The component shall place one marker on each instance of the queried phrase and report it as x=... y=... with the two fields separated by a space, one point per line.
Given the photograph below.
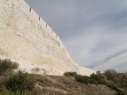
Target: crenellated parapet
x=38 y=20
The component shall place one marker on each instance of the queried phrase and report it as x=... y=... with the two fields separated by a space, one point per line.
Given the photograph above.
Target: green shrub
x=20 y=82
x=110 y=74
x=82 y=79
x=70 y=74
x=7 y=66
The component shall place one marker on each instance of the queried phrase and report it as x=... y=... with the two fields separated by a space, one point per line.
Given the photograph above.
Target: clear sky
x=94 y=31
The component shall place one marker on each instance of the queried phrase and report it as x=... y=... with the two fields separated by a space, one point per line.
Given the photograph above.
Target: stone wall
x=39 y=21
x=27 y=39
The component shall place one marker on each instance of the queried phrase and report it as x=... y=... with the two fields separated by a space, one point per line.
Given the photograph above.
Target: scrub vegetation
x=14 y=82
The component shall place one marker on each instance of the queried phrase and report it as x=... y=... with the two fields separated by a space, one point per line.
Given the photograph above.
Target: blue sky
x=94 y=31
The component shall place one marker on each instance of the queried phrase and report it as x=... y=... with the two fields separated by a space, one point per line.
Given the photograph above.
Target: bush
x=82 y=79
x=6 y=66
x=70 y=74
x=20 y=82
x=110 y=74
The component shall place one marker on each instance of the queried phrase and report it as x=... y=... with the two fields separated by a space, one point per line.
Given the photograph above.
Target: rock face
x=28 y=40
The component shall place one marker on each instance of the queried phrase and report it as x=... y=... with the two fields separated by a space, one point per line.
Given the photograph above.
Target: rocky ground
x=61 y=85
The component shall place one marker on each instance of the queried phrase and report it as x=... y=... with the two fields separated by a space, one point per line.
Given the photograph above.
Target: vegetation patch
x=110 y=78
x=16 y=82
x=20 y=82
x=6 y=66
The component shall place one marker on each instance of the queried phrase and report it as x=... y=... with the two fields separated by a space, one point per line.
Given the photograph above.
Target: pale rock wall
x=28 y=39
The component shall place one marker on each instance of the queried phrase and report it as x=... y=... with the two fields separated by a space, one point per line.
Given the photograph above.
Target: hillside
x=21 y=83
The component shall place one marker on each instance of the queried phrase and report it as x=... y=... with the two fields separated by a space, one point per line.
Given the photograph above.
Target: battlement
x=38 y=20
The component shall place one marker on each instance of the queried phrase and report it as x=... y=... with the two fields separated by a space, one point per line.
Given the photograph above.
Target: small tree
x=110 y=74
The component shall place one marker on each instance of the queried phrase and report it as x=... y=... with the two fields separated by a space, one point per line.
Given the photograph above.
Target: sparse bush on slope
x=110 y=78
x=20 y=82
x=11 y=83
x=82 y=79
x=70 y=74
x=7 y=67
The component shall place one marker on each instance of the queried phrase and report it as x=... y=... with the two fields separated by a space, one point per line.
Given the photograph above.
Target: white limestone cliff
x=28 y=40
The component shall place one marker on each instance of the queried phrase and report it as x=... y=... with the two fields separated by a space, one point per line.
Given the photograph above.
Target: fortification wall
x=28 y=40
x=39 y=21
